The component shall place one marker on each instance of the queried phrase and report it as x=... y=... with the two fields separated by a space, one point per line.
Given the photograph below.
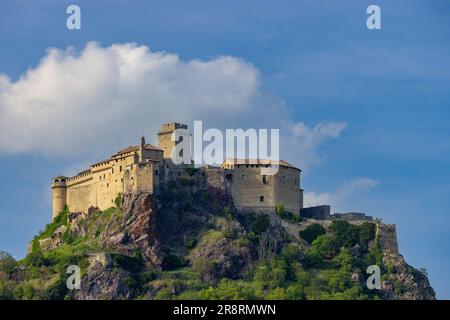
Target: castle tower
x=141 y=149
x=165 y=137
x=59 y=190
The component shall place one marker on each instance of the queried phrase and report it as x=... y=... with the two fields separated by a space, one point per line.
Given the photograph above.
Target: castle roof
x=148 y=146
x=235 y=161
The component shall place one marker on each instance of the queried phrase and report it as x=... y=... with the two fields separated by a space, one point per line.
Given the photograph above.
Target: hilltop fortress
x=145 y=168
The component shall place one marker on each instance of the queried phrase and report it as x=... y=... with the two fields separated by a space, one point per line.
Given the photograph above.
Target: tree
x=346 y=233
x=325 y=247
x=345 y=260
x=7 y=262
x=312 y=232
x=262 y=223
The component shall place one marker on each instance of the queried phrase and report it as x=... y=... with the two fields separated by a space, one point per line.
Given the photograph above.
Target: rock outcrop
x=159 y=246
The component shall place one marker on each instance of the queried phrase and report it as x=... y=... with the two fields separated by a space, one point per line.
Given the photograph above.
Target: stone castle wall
x=256 y=188
x=287 y=189
x=387 y=237
x=138 y=169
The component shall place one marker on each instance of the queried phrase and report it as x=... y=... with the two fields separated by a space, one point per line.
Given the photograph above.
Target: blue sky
x=391 y=88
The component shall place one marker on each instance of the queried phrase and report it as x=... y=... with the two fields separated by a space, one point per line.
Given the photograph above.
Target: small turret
x=59 y=189
x=141 y=149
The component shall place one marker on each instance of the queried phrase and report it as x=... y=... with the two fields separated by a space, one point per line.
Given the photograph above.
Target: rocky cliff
x=192 y=244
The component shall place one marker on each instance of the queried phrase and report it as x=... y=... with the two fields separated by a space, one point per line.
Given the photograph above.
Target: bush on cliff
x=312 y=232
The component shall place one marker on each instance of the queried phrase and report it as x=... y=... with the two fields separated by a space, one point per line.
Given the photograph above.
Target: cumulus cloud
x=303 y=139
x=101 y=98
x=71 y=100
x=344 y=197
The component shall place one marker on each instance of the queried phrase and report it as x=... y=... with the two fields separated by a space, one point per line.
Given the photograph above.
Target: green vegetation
x=118 y=200
x=7 y=262
x=312 y=232
x=60 y=220
x=323 y=272
x=286 y=215
x=195 y=269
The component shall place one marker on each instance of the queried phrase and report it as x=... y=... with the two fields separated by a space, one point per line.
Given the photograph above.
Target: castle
x=145 y=168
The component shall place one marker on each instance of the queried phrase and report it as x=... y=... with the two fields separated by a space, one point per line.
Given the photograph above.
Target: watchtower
x=165 y=137
x=59 y=190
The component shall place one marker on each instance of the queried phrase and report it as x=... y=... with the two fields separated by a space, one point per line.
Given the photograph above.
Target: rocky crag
x=186 y=243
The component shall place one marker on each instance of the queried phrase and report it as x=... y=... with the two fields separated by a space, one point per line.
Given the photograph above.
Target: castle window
x=112 y=170
x=283 y=179
x=229 y=177
x=120 y=168
x=243 y=177
x=156 y=172
x=104 y=176
x=107 y=185
x=264 y=179
x=261 y=199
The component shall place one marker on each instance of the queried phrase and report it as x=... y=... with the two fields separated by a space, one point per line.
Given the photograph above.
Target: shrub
x=130 y=263
x=7 y=262
x=206 y=269
x=375 y=255
x=346 y=233
x=28 y=292
x=57 y=291
x=5 y=291
x=312 y=232
x=172 y=261
x=279 y=209
x=272 y=274
x=18 y=292
x=291 y=253
x=118 y=200
x=345 y=260
x=287 y=215
x=261 y=223
x=366 y=234
x=326 y=247
x=398 y=287
x=60 y=220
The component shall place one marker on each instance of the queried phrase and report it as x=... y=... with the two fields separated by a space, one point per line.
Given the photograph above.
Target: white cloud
x=322 y=131
x=304 y=140
x=345 y=197
x=71 y=102
x=91 y=102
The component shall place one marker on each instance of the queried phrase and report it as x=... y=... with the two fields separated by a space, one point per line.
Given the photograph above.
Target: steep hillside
x=189 y=244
